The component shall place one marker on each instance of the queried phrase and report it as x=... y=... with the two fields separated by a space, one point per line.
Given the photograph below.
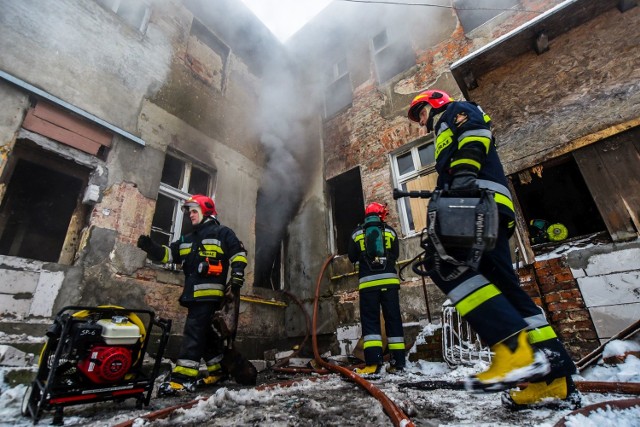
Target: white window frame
x=179 y=195
x=418 y=171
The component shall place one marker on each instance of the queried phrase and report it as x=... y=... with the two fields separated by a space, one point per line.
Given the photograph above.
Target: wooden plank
x=419 y=206
x=72 y=123
x=610 y=170
x=43 y=127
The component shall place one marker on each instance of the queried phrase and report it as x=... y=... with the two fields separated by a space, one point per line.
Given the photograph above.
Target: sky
x=285 y=17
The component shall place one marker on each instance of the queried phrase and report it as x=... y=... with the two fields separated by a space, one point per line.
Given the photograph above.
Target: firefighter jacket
x=373 y=276
x=207 y=254
x=463 y=141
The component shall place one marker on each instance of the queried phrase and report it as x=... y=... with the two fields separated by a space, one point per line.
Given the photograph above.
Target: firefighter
x=208 y=254
x=374 y=247
x=525 y=346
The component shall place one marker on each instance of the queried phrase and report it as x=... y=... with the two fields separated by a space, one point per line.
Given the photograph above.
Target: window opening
x=472 y=16
x=391 y=55
x=135 y=13
x=44 y=194
x=555 y=194
x=414 y=170
x=338 y=93
x=347 y=206
x=180 y=179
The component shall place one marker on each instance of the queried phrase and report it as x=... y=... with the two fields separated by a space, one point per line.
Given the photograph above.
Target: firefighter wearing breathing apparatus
x=374 y=246
x=485 y=289
x=207 y=255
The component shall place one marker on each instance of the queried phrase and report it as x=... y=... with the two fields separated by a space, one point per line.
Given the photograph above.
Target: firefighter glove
x=154 y=250
x=236 y=281
x=464 y=180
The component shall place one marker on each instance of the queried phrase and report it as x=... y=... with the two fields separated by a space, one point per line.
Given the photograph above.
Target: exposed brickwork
x=552 y=286
x=431 y=350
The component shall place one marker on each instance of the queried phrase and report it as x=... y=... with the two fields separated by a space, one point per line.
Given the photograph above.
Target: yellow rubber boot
x=552 y=394
x=368 y=370
x=514 y=361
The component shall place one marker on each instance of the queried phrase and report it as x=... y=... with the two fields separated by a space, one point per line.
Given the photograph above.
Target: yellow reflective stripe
x=185 y=251
x=484 y=140
x=541 y=334
x=208 y=293
x=239 y=258
x=475 y=299
x=396 y=346
x=444 y=139
x=504 y=200
x=486 y=117
x=189 y=372
x=214 y=368
x=466 y=162
x=380 y=282
x=167 y=255
x=369 y=344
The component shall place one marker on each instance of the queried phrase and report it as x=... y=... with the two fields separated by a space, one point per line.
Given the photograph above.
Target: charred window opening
x=391 y=55
x=207 y=56
x=556 y=202
x=348 y=206
x=42 y=212
x=338 y=93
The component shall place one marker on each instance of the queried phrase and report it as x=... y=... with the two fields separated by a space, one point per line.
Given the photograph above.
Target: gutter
x=61 y=103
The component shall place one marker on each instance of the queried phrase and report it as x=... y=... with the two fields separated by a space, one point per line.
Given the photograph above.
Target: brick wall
x=553 y=287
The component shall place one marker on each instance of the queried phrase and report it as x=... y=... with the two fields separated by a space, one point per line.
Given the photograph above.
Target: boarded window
x=414 y=170
x=41 y=213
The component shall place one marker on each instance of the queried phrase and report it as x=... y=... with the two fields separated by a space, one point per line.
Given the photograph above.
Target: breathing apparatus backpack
x=460 y=228
x=374 y=243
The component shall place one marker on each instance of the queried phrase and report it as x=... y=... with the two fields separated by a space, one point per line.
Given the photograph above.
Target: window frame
x=418 y=171
x=114 y=6
x=179 y=195
x=333 y=77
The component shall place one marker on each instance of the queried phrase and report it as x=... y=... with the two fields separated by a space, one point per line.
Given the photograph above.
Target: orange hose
x=398 y=417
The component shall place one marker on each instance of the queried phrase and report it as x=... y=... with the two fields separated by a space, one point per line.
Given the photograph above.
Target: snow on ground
x=332 y=400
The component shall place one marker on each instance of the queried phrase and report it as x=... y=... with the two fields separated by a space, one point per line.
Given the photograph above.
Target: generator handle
x=423 y=194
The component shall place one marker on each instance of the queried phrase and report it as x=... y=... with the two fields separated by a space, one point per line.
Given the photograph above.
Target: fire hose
x=398 y=417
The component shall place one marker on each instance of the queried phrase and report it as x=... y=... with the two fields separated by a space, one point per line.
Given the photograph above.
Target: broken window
x=338 y=93
x=556 y=202
x=347 y=205
x=391 y=55
x=207 y=56
x=180 y=179
x=472 y=15
x=135 y=13
x=41 y=214
x=414 y=170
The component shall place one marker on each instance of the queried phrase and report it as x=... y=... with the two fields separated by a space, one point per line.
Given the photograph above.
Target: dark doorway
x=348 y=206
x=37 y=209
x=555 y=192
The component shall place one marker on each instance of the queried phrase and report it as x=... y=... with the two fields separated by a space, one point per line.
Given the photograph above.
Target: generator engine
x=102 y=350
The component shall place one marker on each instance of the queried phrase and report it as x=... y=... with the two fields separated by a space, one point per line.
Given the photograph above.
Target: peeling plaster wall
x=150 y=85
x=609 y=279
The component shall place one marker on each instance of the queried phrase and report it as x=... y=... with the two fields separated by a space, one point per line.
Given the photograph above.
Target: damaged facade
x=120 y=112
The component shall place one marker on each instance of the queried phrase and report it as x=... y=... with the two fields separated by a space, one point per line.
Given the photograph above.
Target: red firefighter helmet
x=378 y=209
x=205 y=203
x=435 y=98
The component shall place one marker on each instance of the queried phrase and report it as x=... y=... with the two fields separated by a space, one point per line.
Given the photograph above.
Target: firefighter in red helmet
x=489 y=297
x=209 y=255
x=374 y=247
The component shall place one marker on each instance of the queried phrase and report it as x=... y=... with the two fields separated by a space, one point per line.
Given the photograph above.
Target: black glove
x=464 y=180
x=236 y=281
x=154 y=250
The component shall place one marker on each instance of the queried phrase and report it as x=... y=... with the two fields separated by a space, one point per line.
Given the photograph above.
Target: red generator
x=95 y=354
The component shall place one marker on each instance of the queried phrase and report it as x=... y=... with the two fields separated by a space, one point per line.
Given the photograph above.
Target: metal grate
x=461 y=345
